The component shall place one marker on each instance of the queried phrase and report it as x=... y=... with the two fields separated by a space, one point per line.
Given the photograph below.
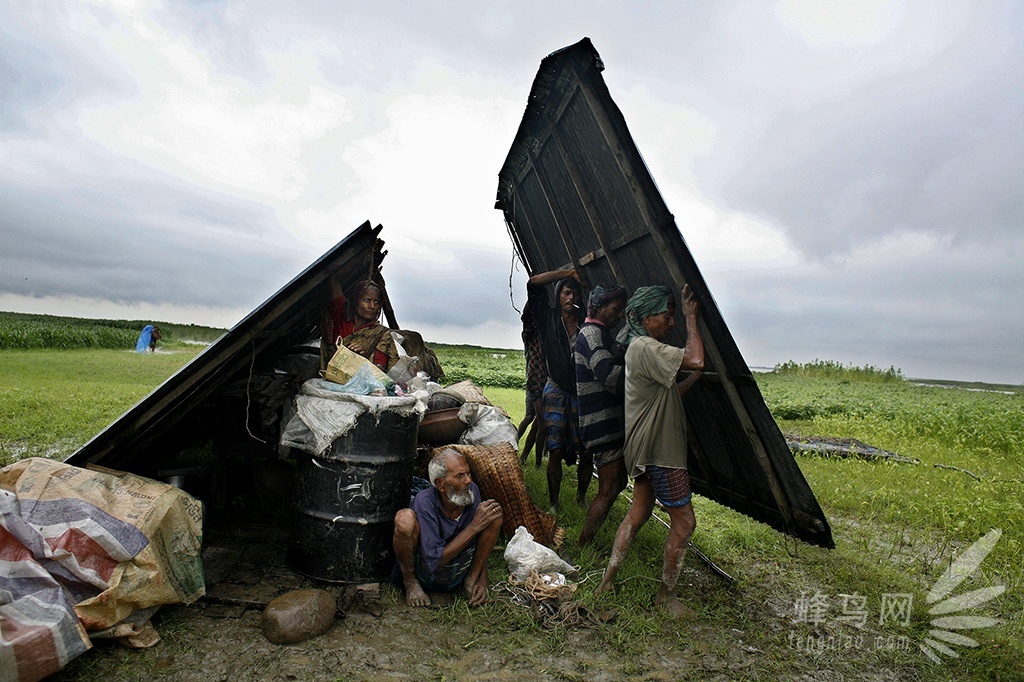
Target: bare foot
x=586 y=535
x=581 y=503
x=676 y=608
x=415 y=596
x=605 y=586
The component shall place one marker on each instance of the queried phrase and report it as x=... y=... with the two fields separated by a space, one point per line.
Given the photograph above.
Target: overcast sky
x=848 y=175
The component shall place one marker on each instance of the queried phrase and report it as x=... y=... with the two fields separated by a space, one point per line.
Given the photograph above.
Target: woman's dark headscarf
x=645 y=302
x=356 y=293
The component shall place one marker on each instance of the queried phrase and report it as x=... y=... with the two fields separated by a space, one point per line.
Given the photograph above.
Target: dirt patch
x=400 y=643
x=377 y=637
x=740 y=634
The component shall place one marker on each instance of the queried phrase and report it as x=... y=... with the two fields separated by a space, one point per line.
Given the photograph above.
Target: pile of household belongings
x=88 y=554
x=326 y=408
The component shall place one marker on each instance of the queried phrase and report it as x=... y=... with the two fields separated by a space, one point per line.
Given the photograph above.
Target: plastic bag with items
x=363 y=382
x=487 y=426
x=345 y=365
x=524 y=555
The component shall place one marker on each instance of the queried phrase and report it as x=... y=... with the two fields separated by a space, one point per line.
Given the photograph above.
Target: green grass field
x=897 y=526
x=53 y=401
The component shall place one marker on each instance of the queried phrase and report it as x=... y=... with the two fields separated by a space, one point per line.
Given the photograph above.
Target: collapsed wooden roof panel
x=289 y=318
x=575 y=192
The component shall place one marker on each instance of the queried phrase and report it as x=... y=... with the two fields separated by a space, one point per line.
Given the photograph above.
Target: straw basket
x=495 y=469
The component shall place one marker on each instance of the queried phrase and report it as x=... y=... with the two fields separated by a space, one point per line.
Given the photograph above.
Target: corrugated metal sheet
x=177 y=412
x=576 y=193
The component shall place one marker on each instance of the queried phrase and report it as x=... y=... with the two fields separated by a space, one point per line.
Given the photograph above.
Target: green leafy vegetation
x=498 y=367
x=901 y=414
x=829 y=369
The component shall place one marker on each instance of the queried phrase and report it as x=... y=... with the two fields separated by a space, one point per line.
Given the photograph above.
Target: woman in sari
x=354 y=323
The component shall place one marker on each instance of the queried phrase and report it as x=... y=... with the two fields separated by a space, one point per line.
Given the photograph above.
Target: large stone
x=298 y=615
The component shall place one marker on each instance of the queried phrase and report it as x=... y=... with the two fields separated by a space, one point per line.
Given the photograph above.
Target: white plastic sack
x=324 y=413
x=422 y=382
x=525 y=555
x=487 y=426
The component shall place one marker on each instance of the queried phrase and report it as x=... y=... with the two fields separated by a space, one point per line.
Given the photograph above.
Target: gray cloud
x=152 y=240
x=936 y=316
x=48 y=70
x=937 y=148
x=841 y=148
x=24 y=84
x=470 y=290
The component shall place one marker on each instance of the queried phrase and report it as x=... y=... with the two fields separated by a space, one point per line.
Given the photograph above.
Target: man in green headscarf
x=655 y=451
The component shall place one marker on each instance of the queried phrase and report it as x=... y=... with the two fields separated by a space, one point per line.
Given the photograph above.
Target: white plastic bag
x=487 y=426
x=422 y=382
x=524 y=555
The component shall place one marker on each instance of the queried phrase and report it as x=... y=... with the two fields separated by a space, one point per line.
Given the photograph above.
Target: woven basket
x=495 y=469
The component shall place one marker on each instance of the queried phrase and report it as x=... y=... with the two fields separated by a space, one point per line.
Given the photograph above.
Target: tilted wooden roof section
x=289 y=318
x=575 y=192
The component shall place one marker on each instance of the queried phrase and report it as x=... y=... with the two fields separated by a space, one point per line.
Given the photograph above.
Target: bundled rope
x=550 y=600
x=541 y=586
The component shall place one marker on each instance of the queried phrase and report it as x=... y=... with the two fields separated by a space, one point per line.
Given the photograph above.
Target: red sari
x=374 y=336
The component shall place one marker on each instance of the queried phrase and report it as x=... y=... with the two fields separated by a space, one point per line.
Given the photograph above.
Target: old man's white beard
x=462 y=499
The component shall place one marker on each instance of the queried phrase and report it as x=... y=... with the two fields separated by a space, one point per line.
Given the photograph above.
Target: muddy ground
x=377 y=637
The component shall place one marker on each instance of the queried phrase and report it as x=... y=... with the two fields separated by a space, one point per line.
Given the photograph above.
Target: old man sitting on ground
x=443 y=540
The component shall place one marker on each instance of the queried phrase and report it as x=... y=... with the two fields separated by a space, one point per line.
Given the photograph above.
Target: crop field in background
x=897 y=526
x=500 y=368
x=22 y=331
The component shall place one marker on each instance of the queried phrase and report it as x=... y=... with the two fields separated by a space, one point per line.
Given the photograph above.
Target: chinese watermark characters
x=854 y=610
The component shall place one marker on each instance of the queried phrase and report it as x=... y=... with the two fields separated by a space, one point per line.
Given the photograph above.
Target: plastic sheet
x=324 y=413
x=487 y=426
x=142 y=345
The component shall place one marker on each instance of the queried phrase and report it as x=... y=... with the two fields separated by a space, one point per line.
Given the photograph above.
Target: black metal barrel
x=345 y=500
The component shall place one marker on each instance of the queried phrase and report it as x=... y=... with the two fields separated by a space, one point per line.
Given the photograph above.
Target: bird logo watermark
x=945 y=632
x=951 y=614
